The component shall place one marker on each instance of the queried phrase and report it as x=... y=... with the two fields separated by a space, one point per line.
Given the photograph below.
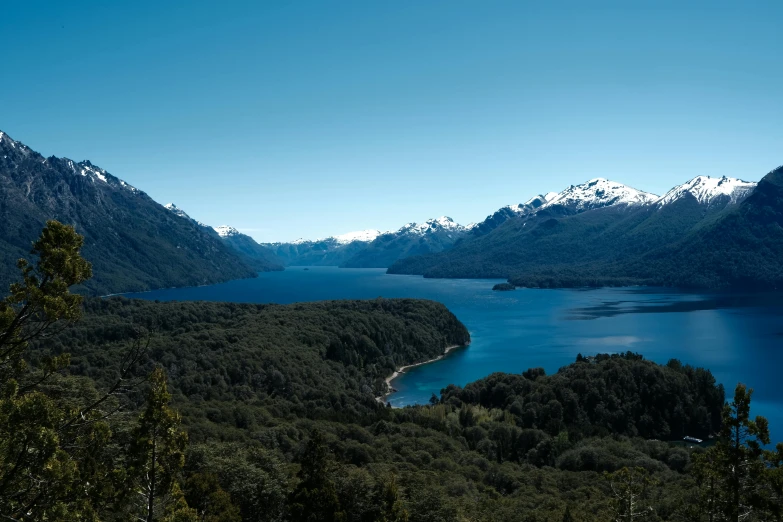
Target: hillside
x=133 y=242
x=255 y=255
x=688 y=237
x=434 y=235
x=257 y=384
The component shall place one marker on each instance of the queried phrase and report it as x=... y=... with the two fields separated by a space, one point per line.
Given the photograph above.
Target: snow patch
x=706 y=189
x=226 y=231
x=365 y=236
x=599 y=192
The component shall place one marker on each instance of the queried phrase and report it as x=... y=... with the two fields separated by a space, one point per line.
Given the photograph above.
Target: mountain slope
x=625 y=243
x=133 y=242
x=255 y=255
x=330 y=251
x=742 y=250
x=434 y=235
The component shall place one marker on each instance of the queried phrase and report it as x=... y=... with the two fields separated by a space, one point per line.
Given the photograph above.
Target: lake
x=737 y=336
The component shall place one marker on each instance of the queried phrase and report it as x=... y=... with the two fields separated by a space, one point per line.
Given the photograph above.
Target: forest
x=116 y=409
x=682 y=245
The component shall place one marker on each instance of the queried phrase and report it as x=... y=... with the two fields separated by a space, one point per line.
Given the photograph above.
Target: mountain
x=511 y=211
x=619 y=236
x=372 y=248
x=434 y=235
x=133 y=242
x=742 y=249
x=253 y=254
x=597 y=193
x=330 y=251
x=710 y=191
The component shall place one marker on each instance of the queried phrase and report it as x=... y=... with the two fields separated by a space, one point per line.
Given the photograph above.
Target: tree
x=157 y=455
x=774 y=482
x=629 y=486
x=211 y=502
x=392 y=507
x=315 y=497
x=41 y=443
x=733 y=468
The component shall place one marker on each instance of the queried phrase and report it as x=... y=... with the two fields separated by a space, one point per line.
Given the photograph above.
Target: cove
x=739 y=337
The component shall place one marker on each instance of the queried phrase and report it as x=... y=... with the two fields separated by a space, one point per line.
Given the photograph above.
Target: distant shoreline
x=402 y=369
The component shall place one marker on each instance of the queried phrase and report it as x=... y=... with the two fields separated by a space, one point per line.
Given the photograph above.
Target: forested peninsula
x=119 y=409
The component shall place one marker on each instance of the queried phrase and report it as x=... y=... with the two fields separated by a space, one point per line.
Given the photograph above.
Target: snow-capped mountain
x=132 y=241
x=503 y=214
x=171 y=207
x=443 y=223
x=533 y=203
x=364 y=236
x=254 y=255
x=597 y=193
x=226 y=231
x=707 y=190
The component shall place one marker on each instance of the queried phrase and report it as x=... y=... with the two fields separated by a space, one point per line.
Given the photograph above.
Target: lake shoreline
x=402 y=369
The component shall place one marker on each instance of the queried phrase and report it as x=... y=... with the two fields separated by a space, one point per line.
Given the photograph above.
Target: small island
x=504 y=287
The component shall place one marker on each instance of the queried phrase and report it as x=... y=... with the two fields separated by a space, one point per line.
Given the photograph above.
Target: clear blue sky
x=312 y=118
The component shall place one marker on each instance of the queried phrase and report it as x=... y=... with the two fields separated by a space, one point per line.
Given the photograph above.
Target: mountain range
x=707 y=232
x=133 y=242
x=254 y=255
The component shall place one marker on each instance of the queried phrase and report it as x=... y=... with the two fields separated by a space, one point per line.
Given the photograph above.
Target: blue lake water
x=738 y=337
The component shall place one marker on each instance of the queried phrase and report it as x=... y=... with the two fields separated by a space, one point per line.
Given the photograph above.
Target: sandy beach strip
x=402 y=369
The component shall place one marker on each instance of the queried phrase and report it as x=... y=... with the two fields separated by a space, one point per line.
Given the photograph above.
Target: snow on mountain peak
x=226 y=231
x=176 y=210
x=171 y=207
x=364 y=236
x=532 y=204
x=91 y=171
x=432 y=225
x=705 y=189
x=600 y=192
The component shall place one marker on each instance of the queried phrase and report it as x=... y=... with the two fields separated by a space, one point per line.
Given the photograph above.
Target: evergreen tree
x=732 y=471
x=774 y=482
x=41 y=444
x=629 y=486
x=392 y=507
x=211 y=502
x=315 y=497
x=157 y=455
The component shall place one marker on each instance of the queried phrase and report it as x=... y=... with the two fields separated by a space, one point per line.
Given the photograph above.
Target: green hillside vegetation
x=682 y=245
x=224 y=412
x=134 y=243
x=254 y=255
x=325 y=252
x=388 y=248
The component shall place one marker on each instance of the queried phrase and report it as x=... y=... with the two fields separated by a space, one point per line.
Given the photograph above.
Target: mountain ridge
x=133 y=242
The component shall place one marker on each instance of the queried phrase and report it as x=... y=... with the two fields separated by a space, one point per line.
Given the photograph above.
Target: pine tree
x=40 y=444
x=629 y=486
x=157 y=456
x=211 y=502
x=315 y=497
x=392 y=508
x=732 y=471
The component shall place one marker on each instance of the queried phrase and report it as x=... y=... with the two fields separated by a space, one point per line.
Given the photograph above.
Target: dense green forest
x=119 y=409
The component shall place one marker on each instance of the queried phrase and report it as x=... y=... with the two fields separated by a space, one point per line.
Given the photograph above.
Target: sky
x=310 y=118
